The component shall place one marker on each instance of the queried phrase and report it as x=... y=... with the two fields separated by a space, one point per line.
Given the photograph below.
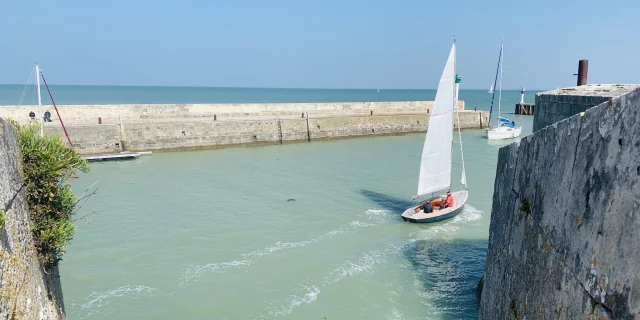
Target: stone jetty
x=103 y=129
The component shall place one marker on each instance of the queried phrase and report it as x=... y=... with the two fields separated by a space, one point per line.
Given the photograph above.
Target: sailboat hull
x=502 y=133
x=460 y=199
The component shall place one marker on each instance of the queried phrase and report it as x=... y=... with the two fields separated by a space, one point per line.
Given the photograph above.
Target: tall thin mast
x=455 y=104
x=493 y=86
x=501 y=64
x=40 y=100
x=457 y=80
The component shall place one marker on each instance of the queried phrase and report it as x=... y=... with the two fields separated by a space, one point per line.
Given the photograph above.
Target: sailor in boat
x=436 y=204
x=448 y=201
x=427 y=207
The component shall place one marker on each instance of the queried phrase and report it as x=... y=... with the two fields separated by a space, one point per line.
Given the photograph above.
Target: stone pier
x=101 y=129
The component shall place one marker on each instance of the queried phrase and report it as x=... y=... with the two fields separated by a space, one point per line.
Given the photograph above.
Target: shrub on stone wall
x=47 y=165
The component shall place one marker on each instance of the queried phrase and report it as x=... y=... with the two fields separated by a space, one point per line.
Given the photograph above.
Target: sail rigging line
x=26 y=87
x=54 y=106
x=495 y=81
x=463 y=178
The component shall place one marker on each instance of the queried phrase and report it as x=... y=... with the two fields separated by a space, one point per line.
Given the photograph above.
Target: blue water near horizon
x=88 y=94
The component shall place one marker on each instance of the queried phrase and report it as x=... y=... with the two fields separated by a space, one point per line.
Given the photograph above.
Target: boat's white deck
x=459 y=199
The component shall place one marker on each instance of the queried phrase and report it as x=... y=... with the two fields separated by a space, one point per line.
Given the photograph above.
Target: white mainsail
x=435 y=167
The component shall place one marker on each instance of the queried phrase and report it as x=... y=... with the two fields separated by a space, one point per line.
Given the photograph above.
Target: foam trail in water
x=395 y=315
x=309 y=296
x=364 y=265
x=468 y=214
x=353 y=225
x=99 y=299
x=198 y=271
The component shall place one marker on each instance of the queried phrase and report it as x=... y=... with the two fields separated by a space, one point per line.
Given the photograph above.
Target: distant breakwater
x=101 y=129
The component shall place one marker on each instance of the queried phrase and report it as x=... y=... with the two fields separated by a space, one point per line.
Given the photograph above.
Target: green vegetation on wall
x=47 y=165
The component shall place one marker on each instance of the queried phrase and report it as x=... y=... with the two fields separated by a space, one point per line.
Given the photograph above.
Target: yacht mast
x=39 y=100
x=501 y=64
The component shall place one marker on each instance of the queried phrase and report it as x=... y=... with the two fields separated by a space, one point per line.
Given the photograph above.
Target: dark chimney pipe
x=583 y=70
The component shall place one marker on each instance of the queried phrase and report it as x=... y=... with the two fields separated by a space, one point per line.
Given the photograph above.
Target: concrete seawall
x=174 y=127
x=563 y=239
x=556 y=105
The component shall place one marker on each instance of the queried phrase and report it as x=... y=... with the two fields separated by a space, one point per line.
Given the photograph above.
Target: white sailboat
x=506 y=129
x=435 y=167
x=491 y=89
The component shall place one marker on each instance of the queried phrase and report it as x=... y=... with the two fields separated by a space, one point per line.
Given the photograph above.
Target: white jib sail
x=435 y=167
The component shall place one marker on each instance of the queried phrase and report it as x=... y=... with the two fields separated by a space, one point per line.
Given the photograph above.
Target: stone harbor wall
x=137 y=113
x=556 y=105
x=175 y=127
x=564 y=240
x=26 y=290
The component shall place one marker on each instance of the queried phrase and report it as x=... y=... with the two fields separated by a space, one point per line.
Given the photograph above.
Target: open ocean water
x=294 y=231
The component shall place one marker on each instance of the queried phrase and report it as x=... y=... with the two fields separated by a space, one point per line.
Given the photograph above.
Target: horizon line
x=225 y=87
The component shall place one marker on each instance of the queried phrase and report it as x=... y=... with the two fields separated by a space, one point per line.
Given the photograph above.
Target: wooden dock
x=112 y=157
x=525 y=108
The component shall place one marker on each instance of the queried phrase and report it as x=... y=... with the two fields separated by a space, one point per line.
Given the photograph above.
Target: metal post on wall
x=583 y=70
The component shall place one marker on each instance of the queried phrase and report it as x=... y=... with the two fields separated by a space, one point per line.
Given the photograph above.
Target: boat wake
x=306 y=294
x=198 y=271
x=375 y=217
x=96 y=300
x=303 y=294
x=366 y=264
x=468 y=214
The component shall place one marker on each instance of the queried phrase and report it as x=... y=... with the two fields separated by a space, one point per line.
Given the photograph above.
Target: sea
x=294 y=231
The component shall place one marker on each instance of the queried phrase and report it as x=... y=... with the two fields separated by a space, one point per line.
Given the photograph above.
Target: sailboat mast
x=501 y=64
x=40 y=100
x=455 y=96
x=457 y=81
x=493 y=86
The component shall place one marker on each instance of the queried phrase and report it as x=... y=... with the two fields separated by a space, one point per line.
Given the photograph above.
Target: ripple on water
x=468 y=214
x=366 y=263
x=306 y=294
x=197 y=271
x=99 y=299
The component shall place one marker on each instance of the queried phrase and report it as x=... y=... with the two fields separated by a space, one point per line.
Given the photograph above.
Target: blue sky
x=317 y=44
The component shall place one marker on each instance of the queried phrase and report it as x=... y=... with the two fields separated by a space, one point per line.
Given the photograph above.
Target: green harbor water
x=294 y=231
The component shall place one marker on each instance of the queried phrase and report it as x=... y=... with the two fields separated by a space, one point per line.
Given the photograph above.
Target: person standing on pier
x=47 y=116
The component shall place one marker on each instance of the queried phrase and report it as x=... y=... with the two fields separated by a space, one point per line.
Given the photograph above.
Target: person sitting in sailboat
x=448 y=201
